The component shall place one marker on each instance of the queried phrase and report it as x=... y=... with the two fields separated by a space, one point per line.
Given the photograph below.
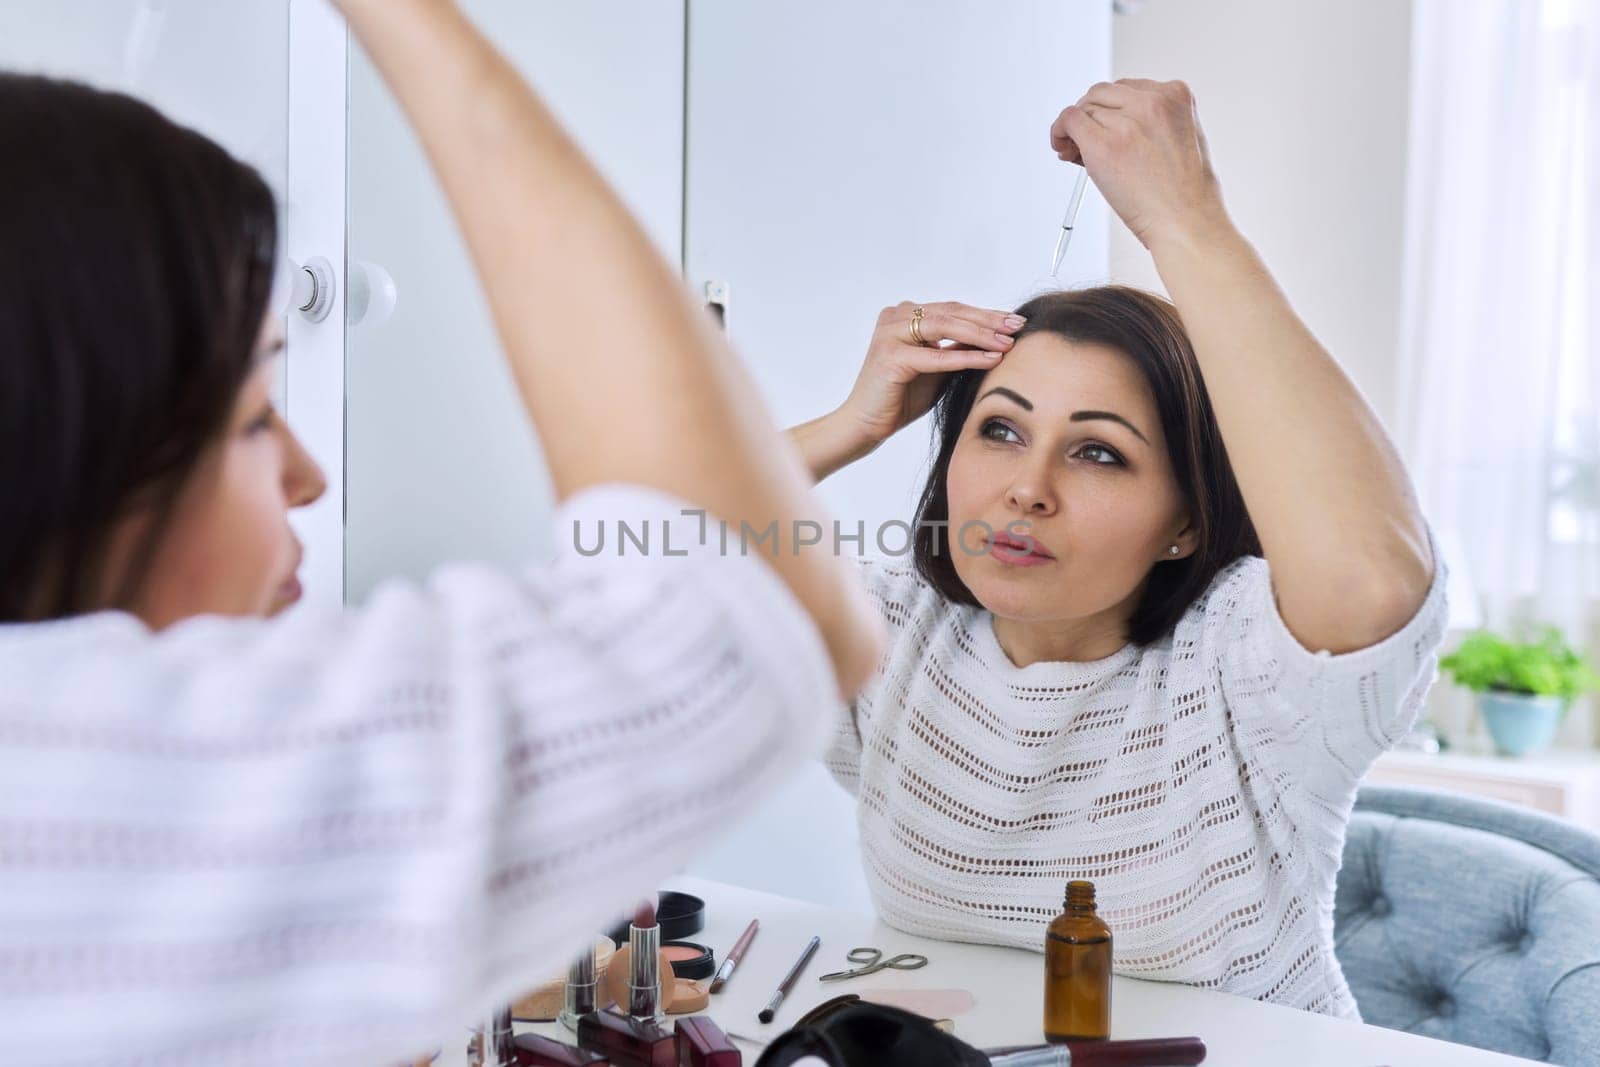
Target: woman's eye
x=262 y=424
x=995 y=430
x=1110 y=458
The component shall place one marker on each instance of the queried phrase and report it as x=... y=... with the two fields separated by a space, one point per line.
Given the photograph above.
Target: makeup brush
x=767 y=1013
x=735 y=954
x=1165 y=1051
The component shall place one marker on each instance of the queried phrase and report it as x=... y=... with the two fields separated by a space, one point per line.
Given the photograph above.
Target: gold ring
x=916 y=328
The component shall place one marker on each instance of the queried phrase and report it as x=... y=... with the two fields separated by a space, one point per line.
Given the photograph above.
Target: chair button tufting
x=1380 y=906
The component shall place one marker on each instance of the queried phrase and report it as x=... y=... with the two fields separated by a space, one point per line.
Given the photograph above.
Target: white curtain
x=1500 y=347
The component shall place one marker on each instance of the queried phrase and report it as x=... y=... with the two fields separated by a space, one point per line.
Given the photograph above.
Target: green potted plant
x=1524 y=688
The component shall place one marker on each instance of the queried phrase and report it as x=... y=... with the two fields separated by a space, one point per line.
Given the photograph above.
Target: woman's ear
x=1181 y=545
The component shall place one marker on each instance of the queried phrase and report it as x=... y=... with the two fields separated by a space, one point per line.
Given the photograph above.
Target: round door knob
x=372 y=294
x=312 y=288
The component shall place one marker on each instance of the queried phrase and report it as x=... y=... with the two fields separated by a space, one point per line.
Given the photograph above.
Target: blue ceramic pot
x=1521 y=723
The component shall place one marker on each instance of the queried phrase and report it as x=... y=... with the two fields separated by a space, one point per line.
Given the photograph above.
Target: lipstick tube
x=497 y=1049
x=578 y=995
x=701 y=1043
x=627 y=1042
x=644 y=968
x=536 y=1051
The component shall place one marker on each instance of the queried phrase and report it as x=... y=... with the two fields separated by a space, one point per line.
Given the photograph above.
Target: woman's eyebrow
x=1077 y=416
x=1107 y=416
x=1017 y=398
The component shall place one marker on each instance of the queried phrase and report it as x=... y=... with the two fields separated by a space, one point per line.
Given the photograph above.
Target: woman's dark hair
x=135 y=270
x=1147 y=329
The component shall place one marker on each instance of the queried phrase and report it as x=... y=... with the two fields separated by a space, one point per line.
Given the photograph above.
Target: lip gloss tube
x=627 y=1042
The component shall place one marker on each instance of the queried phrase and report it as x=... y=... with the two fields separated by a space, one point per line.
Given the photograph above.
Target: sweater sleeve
x=336 y=836
x=909 y=608
x=1316 y=722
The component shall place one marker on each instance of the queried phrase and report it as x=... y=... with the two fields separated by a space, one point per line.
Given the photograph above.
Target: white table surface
x=1008 y=986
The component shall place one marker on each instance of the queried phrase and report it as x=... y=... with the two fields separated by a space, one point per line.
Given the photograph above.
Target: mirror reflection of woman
x=1171 y=595
x=233 y=833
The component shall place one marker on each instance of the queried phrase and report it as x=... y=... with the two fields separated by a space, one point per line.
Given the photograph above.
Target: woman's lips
x=1018 y=550
x=291 y=590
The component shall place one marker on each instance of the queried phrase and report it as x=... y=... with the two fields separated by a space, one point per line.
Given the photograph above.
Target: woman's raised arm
x=619 y=370
x=1325 y=487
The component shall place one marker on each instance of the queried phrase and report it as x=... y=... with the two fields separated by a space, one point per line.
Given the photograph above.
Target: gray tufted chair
x=1472 y=921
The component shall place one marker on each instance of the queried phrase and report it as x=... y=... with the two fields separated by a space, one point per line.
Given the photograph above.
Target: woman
x=1092 y=672
x=328 y=837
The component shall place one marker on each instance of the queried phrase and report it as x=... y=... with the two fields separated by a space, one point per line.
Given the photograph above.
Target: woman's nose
x=303 y=480
x=1030 y=492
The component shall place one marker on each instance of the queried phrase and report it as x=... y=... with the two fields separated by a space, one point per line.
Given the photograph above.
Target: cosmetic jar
x=690 y=960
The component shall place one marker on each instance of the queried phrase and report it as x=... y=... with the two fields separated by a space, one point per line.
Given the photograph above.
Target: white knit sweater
x=1203 y=783
x=330 y=838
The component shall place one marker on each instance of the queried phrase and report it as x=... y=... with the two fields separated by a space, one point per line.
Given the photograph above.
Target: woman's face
x=1064 y=438
x=228 y=548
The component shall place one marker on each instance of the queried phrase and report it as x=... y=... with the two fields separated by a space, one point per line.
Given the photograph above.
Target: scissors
x=871 y=962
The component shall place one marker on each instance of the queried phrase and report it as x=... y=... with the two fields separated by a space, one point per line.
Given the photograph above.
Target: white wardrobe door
x=441 y=462
x=842 y=157
x=221 y=68
x=266 y=79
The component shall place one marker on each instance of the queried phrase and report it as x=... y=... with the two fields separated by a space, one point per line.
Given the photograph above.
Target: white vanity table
x=1007 y=984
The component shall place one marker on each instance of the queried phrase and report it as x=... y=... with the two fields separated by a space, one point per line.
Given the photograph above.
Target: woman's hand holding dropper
x=1325 y=487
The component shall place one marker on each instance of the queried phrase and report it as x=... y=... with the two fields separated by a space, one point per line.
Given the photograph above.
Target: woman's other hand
x=900 y=378
x=1142 y=144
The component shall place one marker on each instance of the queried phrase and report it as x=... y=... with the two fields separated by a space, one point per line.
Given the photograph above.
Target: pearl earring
x=1173 y=550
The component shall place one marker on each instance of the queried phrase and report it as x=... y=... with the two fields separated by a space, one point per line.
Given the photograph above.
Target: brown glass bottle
x=1077 y=971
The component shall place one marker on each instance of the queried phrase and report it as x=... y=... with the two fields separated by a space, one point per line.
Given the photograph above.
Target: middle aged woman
x=1171 y=596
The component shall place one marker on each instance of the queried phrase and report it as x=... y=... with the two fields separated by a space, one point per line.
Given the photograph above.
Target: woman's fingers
x=1146 y=152
x=1061 y=141
x=1073 y=130
x=965 y=325
x=920 y=361
x=1113 y=119
x=1120 y=105
x=996 y=320
x=1118 y=94
x=959 y=357
x=961 y=323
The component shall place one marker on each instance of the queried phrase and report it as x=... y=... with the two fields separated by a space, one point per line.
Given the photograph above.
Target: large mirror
x=1457 y=294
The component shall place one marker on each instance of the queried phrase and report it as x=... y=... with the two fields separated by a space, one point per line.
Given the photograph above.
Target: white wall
x=1304 y=104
